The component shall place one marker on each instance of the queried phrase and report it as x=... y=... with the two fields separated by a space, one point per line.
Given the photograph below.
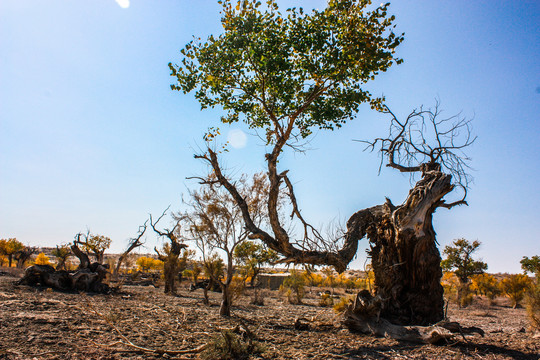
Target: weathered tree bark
x=364 y=315
x=226 y=299
x=404 y=254
x=171 y=266
x=172 y=253
x=88 y=277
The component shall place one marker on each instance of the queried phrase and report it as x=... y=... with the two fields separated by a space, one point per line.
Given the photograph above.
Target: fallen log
x=88 y=277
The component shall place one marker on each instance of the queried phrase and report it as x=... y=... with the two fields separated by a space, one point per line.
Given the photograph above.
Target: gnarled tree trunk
x=404 y=253
x=88 y=277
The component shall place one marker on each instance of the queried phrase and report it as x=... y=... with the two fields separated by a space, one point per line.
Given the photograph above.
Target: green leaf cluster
x=251 y=256
x=305 y=69
x=459 y=259
x=531 y=265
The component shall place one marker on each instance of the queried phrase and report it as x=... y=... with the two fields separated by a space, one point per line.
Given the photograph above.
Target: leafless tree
x=171 y=253
x=133 y=243
x=215 y=222
x=425 y=141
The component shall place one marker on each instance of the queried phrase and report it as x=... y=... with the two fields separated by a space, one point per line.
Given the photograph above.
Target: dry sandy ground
x=44 y=324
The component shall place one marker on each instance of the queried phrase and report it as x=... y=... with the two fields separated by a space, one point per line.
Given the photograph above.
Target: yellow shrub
x=42 y=259
x=450 y=284
x=343 y=304
x=326 y=300
x=515 y=287
x=293 y=286
x=237 y=287
x=485 y=284
x=147 y=263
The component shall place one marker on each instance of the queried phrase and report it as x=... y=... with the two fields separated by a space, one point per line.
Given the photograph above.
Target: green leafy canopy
x=295 y=68
x=459 y=258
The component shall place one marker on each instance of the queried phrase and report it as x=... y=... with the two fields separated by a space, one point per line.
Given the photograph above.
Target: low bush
x=259 y=296
x=230 y=346
x=485 y=284
x=515 y=287
x=343 y=303
x=532 y=304
x=293 y=287
x=326 y=300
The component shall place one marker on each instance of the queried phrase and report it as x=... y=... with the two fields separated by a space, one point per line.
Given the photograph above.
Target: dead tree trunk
x=170 y=264
x=172 y=252
x=88 y=277
x=404 y=254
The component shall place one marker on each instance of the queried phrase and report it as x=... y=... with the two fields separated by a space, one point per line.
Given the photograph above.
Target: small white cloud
x=237 y=138
x=124 y=4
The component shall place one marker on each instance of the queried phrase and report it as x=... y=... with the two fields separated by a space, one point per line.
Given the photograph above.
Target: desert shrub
x=466 y=296
x=348 y=283
x=259 y=296
x=187 y=274
x=450 y=284
x=343 y=303
x=515 y=287
x=9 y=247
x=330 y=280
x=487 y=285
x=293 y=287
x=145 y=263
x=455 y=290
x=42 y=259
x=369 y=280
x=230 y=346
x=312 y=278
x=326 y=300
x=196 y=271
x=61 y=253
x=237 y=287
x=532 y=301
x=361 y=284
x=214 y=267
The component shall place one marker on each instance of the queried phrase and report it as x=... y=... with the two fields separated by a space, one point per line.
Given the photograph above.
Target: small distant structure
x=271 y=281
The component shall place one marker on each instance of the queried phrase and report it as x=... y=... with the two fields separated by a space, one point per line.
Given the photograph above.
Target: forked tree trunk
x=404 y=254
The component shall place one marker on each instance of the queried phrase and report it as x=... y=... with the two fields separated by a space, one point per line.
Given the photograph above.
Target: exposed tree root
x=363 y=316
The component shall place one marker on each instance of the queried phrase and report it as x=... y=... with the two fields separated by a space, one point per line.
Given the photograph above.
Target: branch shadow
x=463 y=349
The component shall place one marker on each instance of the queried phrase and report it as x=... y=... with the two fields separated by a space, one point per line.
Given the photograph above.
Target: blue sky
x=91 y=136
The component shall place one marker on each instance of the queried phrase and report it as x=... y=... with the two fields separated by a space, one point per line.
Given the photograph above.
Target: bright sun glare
x=124 y=4
x=237 y=138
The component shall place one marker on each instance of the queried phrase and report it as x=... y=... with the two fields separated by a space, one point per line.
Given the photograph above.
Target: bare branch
x=424 y=141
